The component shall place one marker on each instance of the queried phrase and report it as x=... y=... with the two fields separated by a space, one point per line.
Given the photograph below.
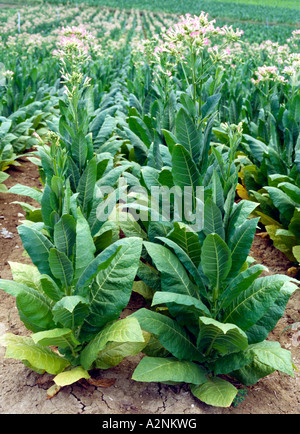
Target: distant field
x=291 y=4
x=277 y=11
x=260 y=19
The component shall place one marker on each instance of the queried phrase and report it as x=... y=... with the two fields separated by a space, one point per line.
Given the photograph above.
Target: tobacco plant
x=73 y=294
x=210 y=311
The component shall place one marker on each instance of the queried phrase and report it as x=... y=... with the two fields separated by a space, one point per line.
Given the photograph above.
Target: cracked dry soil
x=23 y=391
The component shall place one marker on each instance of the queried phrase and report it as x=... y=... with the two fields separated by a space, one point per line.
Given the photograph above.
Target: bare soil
x=23 y=391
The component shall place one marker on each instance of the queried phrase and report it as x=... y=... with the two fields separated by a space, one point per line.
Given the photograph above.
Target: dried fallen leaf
x=102 y=382
x=263 y=234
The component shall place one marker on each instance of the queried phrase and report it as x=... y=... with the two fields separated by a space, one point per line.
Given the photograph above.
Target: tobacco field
x=150 y=207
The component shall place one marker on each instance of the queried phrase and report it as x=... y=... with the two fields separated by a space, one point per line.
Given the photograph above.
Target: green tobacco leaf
x=172 y=336
x=210 y=105
x=140 y=129
x=213 y=221
x=187 y=262
x=26 y=274
x=40 y=358
x=48 y=204
x=115 y=352
x=296 y=252
x=291 y=190
x=140 y=149
x=294 y=225
x=271 y=354
x=187 y=134
x=233 y=362
x=252 y=304
x=64 y=234
x=240 y=283
x=189 y=303
x=86 y=185
x=100 y=262
x=239 y=214
x=111 y=290
x=215 y=259
x=282 y=202
x=125 y=330
x=268 y=357
x=50 y=288
x=63 y=338
x=188 y=240
x=185 y=174
x=11 y=287
x=70 y=311
x=85 y=247
x=216 y=392
x=61 y=267
x=283 y=240
x=36 y=309
x=260 y=330
x=240 y=244
x=163 y=370
x=79 y=149
x=174 y=277
x=32 y=304
x=225 y=338
x=24 y=190
x=37 y=246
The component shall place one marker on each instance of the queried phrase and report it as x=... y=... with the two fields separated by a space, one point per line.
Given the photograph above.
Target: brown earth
x=24 y=392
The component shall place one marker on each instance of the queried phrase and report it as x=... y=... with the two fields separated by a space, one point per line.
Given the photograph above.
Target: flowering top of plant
x=8 y=74
x=296 y=34
x=74 y=45
x=268 y=73
x=193 y=32
x=74 y=50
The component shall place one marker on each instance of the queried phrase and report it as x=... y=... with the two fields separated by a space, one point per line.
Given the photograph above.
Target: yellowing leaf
x=69 y=377
x=242 y=192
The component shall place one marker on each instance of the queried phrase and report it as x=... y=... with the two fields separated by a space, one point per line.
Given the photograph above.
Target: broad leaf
x=174 y=277
x=187 y=177
x=70 y=311
x=85 y=247
x=62 y=338
x=64 y=234
x=61 y=267
x=37 y=357
x=216 y=392
x=172 y=337
x=115 y=352
x=164 y=370
x=240 y=244
x=187 y=134
x=111 y=290
x=87 y=183
x=37 y=246
x=215 y=259
x=252 y=304
x=213 y=221
x=125 y=330
x=71 y=376
x=224 y=338
x=189 y=304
